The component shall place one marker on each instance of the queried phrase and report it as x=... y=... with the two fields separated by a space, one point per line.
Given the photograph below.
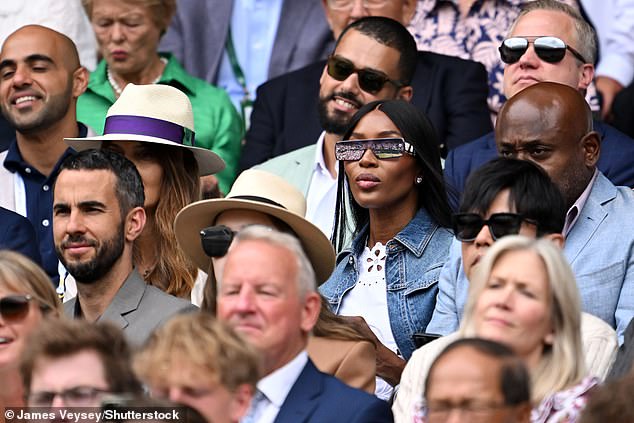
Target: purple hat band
x=151 y=127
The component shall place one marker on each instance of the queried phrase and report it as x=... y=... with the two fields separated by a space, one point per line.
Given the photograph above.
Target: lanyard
x=246 y=104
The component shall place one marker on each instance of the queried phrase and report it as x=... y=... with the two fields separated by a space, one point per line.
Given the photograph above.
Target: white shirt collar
x=278 y=384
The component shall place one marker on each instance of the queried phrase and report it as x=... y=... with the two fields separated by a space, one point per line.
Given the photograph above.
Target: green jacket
x=216 y=122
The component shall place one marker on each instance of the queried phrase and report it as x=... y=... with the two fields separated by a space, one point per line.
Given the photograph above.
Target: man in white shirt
x=267 y=292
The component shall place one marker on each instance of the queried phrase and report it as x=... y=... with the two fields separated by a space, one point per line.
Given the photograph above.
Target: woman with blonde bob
x=27 y=297
x=522 y=294
x=201 y=362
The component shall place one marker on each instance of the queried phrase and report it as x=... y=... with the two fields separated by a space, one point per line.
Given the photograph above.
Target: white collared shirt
x=573 y=212
x=322 y=192
x=278 y=384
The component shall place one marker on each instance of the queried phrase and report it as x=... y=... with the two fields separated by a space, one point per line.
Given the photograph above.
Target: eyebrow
x=382 y=134
x=29 y=59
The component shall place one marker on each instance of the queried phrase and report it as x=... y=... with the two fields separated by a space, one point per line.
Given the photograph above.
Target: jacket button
x=350 y=260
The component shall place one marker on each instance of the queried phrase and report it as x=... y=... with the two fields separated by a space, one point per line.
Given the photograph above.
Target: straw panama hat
x=155 y=113
x=264 y=192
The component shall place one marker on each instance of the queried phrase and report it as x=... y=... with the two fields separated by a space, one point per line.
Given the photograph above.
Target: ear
x=240 y=402
x=592 y=147
x=134 y=223
x=409 y=9
x=310 y=311
x=586 y=77
x=80 y=81
x=549 y=339
x=405 y=93
x=558 y=239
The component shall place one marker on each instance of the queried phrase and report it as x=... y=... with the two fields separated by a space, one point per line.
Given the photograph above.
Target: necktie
x=258 y=405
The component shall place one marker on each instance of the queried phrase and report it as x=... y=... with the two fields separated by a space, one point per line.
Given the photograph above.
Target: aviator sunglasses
x=15 y=307
x=548 y=49
x=467 y=226
x=382 y=148
x=370 y=81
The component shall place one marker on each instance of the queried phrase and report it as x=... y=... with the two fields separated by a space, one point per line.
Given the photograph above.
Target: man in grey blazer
x=198 y=34
x=97 y=214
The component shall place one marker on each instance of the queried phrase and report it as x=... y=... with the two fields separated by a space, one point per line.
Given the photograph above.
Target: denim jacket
x=413 y=261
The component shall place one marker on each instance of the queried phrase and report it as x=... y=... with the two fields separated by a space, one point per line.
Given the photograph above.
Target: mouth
x=119 y=54
x=345 y=102
x=498 y=321
x=23 y=101
x=367 y=181
x=5 y=341
x=77 y=248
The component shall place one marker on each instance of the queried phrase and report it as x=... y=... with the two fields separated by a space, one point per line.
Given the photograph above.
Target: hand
x=209 y=187
x=608 y=88
x=389 y=366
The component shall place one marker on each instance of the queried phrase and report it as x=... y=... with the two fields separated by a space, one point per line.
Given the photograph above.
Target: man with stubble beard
x=97 y=215
x=374 y=59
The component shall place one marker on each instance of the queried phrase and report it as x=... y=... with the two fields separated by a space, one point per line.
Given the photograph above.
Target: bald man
x=554 y=19
x=41 y=80
x=550 y=124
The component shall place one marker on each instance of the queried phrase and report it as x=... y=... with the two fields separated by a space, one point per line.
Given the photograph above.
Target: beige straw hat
x=155 y=113
x=265 y=192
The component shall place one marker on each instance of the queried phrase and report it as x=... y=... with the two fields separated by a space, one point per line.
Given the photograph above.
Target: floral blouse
x=564 y=406
x=439 y=27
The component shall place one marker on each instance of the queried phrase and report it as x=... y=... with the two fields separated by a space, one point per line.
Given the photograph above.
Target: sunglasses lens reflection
x=14 y=307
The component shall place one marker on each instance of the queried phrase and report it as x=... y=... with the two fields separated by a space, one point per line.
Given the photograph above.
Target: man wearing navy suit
x=267 y=292
x=451 y=91
x=552 y=19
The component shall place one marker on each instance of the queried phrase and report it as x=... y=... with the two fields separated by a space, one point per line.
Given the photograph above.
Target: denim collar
x=414 y=236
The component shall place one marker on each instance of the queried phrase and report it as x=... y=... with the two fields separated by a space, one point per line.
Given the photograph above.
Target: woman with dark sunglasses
x=391 y=200
x=26 y=298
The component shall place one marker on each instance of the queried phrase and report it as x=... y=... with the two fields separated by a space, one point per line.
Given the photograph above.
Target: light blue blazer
x=295 y=167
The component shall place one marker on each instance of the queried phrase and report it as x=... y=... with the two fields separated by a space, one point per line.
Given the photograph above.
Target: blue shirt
x=39 y=201
x=253 y=29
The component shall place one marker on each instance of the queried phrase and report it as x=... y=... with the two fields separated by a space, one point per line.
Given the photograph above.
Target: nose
x=245 y=302
x=368 y=159
x=529 y=59
x=22 y=76
x=351 y=84
x=117 y=33
x=58 y=401
x=484 y=238
x=75 y=223
x=455 y=416
x=358 y=10
x=175 y=394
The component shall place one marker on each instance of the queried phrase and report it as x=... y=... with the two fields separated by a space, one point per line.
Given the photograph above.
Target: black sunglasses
x=15 y=307
x=467 y=226
x=382 y=148
x=216 y=240
x=370 y=81
x=548 y=49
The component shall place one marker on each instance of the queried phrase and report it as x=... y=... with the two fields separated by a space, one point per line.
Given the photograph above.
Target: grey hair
x=306 y=280
x=585 y=36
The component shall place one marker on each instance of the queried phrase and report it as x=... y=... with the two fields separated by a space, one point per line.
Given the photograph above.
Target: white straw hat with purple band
x=155 y=113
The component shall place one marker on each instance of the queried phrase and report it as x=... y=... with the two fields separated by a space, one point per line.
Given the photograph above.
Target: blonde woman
x=27 y=297
x=524 y=295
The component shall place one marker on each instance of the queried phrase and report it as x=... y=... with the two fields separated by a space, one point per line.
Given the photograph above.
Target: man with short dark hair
x=267 y=292
x=97 y=215
x=41 y=81
x=477 y=377
x=549 y=41
x=70 y=363
x=451 y=91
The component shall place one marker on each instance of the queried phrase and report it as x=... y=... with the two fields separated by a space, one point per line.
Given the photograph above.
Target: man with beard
x=41 y=80
x=97 y=214
x=375 y=58
x=551 y=124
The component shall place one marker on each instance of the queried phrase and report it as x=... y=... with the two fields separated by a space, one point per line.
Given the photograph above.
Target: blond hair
x=20 y=274
x=200 y=341
x=162 y=10
x=562 y=364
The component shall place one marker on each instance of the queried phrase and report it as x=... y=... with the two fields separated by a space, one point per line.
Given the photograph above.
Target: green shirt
x=216 y=122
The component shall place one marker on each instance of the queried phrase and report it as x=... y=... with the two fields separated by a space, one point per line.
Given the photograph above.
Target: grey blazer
x=198 y=33
x=137 y=308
